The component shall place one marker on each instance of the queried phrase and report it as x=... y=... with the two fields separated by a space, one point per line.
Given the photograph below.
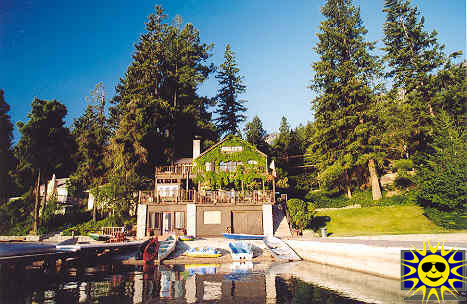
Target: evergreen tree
x=231 y=110
x=344 y=79
x=91 y=133
x=157 y=111
x=45 y=146
x=255 y=134
x=6 y=155
x=414 y=56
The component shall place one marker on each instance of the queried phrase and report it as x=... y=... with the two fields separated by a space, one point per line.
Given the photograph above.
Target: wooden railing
x=112 y=230
x=209 y=197
x=173 y=170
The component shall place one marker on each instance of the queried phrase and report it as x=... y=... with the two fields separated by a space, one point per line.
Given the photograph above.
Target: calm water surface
x=227 y=283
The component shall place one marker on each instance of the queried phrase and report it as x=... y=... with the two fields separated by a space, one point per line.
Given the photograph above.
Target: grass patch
x=376 y=220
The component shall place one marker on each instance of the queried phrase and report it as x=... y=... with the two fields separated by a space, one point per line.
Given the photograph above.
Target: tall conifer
x=231 y=109
x=6 y=156
x=343 y=79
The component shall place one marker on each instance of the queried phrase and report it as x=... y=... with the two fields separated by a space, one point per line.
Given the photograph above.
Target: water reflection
x=196 y=283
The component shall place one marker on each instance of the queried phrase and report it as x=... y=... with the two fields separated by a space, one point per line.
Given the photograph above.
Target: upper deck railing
x=174 y=169
x=250 y=197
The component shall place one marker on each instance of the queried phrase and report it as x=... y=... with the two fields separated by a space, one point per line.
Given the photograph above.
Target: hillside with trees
x=397 y=112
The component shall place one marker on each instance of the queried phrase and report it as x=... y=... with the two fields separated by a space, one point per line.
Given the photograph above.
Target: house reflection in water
x=207 y=285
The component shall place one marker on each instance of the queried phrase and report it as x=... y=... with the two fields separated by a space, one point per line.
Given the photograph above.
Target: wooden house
x=220 y=190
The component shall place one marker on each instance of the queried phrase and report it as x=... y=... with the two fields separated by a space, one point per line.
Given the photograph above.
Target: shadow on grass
x=319 y=222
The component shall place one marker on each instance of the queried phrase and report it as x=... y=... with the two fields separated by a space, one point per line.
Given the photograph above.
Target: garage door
x=250 y=222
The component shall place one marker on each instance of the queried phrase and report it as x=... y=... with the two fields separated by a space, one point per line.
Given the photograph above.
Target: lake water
x=300 y=282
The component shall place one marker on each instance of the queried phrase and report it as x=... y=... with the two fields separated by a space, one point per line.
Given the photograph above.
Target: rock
x=388 y=179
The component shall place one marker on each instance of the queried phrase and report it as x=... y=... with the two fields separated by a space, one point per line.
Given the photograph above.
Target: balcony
x=254 y=197
x=173 y=170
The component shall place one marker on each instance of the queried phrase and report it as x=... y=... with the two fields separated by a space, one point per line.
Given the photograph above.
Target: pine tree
x=6 y=155
x=91 y=133
x=230 y=109
x=255 y=134
x=414 y=56
x=344 y=79
x=157 y=111
x=45 y=146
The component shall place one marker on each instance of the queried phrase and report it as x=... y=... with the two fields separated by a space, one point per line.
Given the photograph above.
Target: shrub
x=449 y=220
x=403 y=164
x=333 y=199
x=90 y=226
x=301 y=213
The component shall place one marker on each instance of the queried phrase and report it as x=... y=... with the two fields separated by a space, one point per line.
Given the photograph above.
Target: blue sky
x=61 y=49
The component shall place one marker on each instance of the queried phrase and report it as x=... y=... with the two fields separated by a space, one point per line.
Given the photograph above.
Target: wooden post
x=273 y=190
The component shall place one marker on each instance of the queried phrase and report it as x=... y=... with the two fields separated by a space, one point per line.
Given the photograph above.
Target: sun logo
x=433 y=273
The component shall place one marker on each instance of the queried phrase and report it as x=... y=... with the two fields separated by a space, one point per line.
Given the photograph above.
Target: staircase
x=279 y=222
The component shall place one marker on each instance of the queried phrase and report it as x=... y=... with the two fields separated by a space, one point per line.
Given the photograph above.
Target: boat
x=204 y=252
x=167 y=247
x=99 y=237
x=186 y=238
x=280 y=249
x=240 y=236
x=241 y=251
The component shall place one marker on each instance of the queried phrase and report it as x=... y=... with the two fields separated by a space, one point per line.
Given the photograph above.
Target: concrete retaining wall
x=380 y=261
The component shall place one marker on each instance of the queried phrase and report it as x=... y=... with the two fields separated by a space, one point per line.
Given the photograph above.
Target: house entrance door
x=167 y=222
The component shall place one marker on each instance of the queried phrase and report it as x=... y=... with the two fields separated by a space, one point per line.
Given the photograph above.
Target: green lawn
x=378 y=220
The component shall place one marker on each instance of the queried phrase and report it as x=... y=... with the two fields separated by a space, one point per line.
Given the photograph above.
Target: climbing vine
x=248 y=173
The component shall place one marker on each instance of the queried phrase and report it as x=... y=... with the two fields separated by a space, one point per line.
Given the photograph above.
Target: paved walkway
x=458 y=240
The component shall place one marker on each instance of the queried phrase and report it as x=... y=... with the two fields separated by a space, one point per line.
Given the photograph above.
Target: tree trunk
x=375 y=189
x=94 y=205
x=36 y=203
x=44 y=202
x=347 y=184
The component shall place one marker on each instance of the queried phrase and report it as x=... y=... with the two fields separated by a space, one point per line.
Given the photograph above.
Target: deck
x=253 y=197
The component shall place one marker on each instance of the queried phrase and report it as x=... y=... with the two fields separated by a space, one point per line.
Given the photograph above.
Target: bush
x=301 y=213
x=449 y=220
x=91 y=226
x=334 y=199
x=403 y=165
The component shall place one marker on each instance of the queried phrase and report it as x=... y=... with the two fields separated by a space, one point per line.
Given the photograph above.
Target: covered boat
x=241 y=250
x=280 y=249
x=204 y=252
x=239 y=236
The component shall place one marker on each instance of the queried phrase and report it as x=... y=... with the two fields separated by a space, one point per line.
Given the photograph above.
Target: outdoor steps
x=280 y=223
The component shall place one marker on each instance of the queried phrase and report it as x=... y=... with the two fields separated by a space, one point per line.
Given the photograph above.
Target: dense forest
x=399 y=112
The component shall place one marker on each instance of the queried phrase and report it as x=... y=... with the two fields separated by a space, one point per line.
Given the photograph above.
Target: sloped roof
x=225 y=138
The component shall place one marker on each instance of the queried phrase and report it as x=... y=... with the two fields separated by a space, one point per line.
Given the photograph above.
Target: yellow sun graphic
x=434 y=272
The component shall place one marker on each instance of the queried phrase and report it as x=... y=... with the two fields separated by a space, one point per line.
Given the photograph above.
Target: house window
x=232 y=149
x=179 y=220
x=154 y=220
x=223 y=167
x=208 y=167
x=252 y=162
x=212 y=217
